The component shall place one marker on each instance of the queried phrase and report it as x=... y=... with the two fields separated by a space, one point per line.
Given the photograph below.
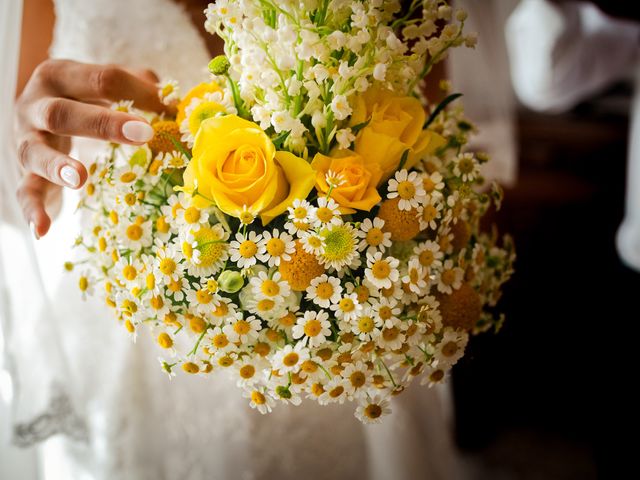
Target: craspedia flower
x=461 y=235
x=301 y=269
x=164 y=131
x=402 y=224
x=461 y=309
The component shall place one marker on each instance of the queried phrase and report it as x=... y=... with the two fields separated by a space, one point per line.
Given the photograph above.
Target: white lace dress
x=139 y=425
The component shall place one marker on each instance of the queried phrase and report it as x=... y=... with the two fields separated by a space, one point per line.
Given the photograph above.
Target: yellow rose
x=235 y=164
x=395 y=126
x=360 y=177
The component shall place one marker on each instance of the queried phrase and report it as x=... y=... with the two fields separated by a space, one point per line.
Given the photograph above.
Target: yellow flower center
x=426 y=258
x=275 y=247
x=134 y=232
x=270 y=288
x=429 y=213
x=290 y=359
x=190 y=367
x=161 y=225
x=347 y=305
x=102 y=244
x=113 y=216
x=241 y=327
x=309 y=366
x=246 y=217
x=324 y=290
x=165 y=341
x=465 y=165
x=300 y=213
x=220 y=340
x=197 y=324
x=247 y=371
x=362 y=293
x=436 y=375
x=209 y=245
x=365 y=324
x=130 y=199
x=312 y=328
x=167 y=266
x=212 y=285
x=203 y=296
x=406 y=190
x=175 y=208
x=381 y=269
x=174 y=286
x=83 y=283
x=248 y=249
x=225 y=361
x=156 y=302
x=265 y=305
x=336 y=392
x=192 y=215
x=357 y=379
x=127 y=177
x=129 y=272
x=221 y=310
x=338 y=244
x=187 y=250
x=288 y=320
x=448 y=277
x=373 y=411
x=414 y=276
x=385 y=312
x=374 y=237
x=449 y=349
x=390 y=333
x=324 y=214
x=258 y=398
x=428 y=185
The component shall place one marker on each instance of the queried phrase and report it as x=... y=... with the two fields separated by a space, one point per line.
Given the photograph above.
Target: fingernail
x=32 y=227
x=70 y=176
x=137 y=131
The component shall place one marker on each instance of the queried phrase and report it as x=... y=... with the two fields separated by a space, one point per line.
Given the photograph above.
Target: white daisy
x=347 y=308
x=259 y=400
x=135 y=235
x=274 y=288
x=387 y=311
x=167 y=262
x=201 y=300
x=290 y=358
x=191 y=217
x=407 y=186
x=374 y=239
x=278 y=247
x=432 y=183
x=382 y=272
x=435 y=375
x=324 y=290
x=313 y=328
x=357 y=377
x=450 y=278
x=429 y=213
x=390 y=338
x=327 y=213
x=301 y=214
x=372 y=409
x=245 y=249
x=312 y=242
x=451 y=347
x=334 y=391
x=466 y=167
x=415 y=277
x=366 y=325
x=242 y=330
x=429 y=255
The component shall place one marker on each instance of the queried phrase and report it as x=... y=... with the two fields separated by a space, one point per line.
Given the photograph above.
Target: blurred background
x=551 y=87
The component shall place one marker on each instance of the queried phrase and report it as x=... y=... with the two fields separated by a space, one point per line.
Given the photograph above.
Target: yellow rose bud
x=359 y=180
x=395 y=126
x=235 y=164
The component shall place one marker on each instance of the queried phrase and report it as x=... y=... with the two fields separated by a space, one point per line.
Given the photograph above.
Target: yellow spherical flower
x=395 y=125
x=199 y=91
x=164 y=132
x=300 y=269
x=235 y=165
x=402 y=224
x=359 y=178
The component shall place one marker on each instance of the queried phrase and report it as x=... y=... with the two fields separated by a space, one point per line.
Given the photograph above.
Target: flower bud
x=230 y=281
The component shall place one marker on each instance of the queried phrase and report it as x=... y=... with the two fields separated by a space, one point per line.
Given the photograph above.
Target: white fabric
x=561 y=55
x=137 y=423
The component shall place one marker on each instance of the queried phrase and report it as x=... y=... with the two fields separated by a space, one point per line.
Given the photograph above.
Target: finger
x=62 y=116
x=48 y=163
x=83 y=81
x=32 y=194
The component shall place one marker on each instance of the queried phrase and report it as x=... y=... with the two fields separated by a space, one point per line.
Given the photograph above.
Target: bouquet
x=307 y=221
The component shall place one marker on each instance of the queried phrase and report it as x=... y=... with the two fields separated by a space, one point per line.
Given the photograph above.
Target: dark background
x=541 y=399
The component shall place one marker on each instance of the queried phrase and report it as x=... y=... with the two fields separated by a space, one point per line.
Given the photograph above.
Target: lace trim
x=58 y=418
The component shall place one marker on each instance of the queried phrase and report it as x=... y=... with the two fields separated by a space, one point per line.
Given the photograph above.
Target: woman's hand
x=65 y=99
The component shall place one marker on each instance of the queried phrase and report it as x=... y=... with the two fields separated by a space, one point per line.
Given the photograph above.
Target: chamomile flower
x=357 y=377
x=219 y=341
x=372 y=409
x=169 y=92
x=192 y=218
x=450 y=278
x=435 y=375
x=340 y=248
x=429 y=213
x=433 y=183
x=382 y=272
x=136 y=234
x=245 y=249
x=415 y=277
x=374 y=239
x=301 y=215
x=175 y=203
x=277 y=246
x=387 y=310
x=85 y=284
x=248 y=372
x=466 y=167
x=177 y=287
x=347 y=308
x=242 y=330
x=429 y=255
x=324 y=290
x=167 y=262
x=451 y=347
x=312 y=242
x=366 y=325
x=390 y=338
x=173 y=160
x=334 y=391
x=259 y=400
x=205 y=250
x=408 y=187
x=130 y=270
x=290 y=358
x=313 y=328
x=271 y=288
x=327 y=213
x=201 y=299
x=334 y=179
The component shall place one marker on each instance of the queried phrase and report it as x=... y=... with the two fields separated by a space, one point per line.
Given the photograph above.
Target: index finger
x=86 y=82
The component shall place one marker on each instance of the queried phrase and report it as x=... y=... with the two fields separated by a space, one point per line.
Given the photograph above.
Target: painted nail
x=32 y=227
x=70 y=176
x=136 y=131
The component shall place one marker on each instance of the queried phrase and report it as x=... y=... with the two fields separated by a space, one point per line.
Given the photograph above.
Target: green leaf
x=403 y=160
x=441 y=106
x=178 y=145
x=356 y=128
